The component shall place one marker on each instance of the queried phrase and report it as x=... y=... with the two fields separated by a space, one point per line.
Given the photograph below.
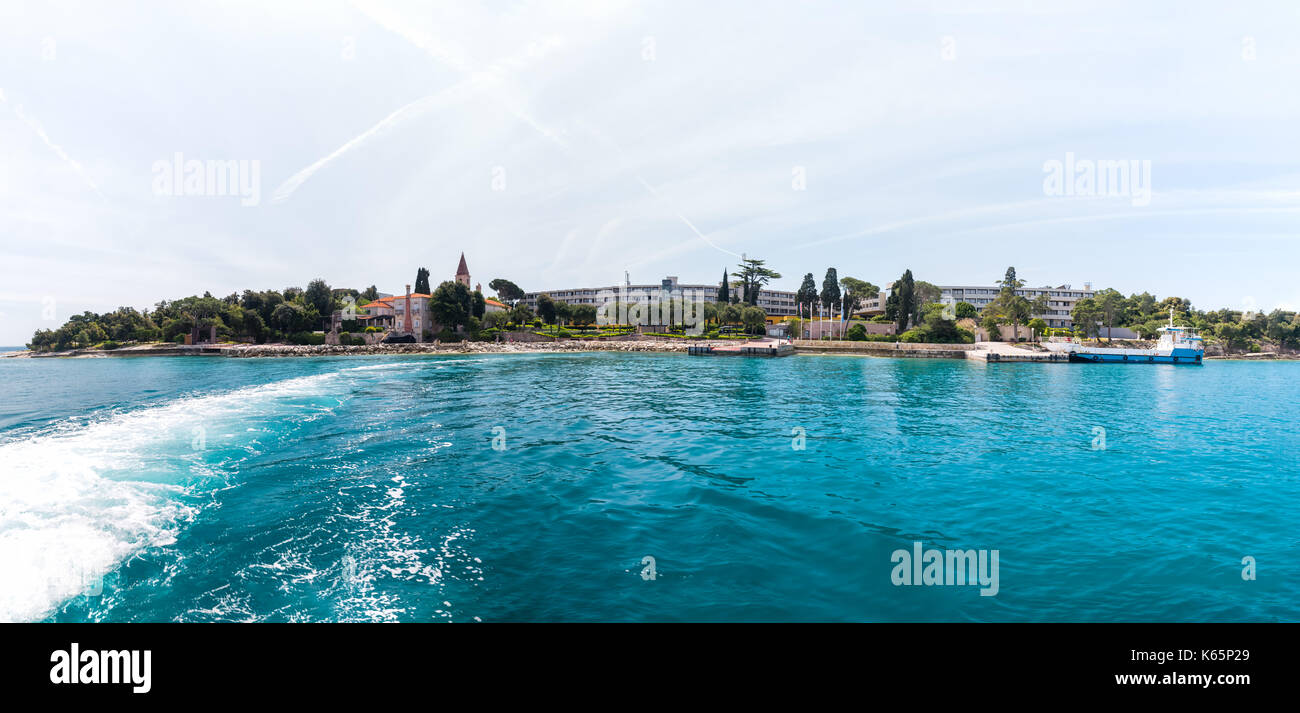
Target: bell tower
x=462 y=272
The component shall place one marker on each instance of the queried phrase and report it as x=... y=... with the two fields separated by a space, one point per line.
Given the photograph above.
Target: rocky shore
x=294 y=350
x=881 y=349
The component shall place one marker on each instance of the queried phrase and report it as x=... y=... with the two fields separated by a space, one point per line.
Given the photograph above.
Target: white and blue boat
x=1177 y=345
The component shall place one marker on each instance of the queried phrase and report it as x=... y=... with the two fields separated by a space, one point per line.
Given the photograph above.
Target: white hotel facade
x=781 y=303
x=776 y=303
x=1060 y=300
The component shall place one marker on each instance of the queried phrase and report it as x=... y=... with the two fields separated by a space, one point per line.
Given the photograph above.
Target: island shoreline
x=663 y=346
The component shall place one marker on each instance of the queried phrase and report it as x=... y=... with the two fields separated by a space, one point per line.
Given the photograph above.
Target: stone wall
x=884 y=349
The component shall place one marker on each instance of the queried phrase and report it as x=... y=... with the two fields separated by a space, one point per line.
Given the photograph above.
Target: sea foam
x=79 y=499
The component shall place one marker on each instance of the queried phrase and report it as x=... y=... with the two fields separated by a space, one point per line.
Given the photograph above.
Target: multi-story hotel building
x=776 y=303
x=1060 y=299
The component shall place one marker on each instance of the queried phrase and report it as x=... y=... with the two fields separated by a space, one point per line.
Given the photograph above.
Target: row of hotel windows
x=1022 y=293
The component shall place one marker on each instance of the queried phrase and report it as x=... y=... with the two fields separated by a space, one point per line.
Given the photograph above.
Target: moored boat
x=1177 y=345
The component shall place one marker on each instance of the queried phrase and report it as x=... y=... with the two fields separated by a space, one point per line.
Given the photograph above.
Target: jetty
x=994 y=352
x=757 y=347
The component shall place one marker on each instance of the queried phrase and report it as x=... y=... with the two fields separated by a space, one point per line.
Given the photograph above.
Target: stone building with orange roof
x=412 y=312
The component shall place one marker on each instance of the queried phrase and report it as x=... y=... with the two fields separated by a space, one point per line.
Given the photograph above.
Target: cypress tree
x=906 y=301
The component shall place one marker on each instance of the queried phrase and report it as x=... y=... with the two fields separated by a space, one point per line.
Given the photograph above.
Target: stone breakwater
x=293 y=350
x=284 y=350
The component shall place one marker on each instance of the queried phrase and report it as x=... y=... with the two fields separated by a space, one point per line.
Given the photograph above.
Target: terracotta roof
x=491 y=301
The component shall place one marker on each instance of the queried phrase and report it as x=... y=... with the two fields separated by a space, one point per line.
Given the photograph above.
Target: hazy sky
x=561 y=143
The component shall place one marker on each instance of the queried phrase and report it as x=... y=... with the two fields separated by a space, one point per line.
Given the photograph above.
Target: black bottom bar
x=250 y=664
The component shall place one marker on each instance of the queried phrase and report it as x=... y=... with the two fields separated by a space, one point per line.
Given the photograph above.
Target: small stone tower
x=407 y=326
x=462 y=272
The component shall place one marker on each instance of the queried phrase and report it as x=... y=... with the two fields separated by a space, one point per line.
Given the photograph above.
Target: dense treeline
x=293 y=313
x=1144 y=314
x=268 y=315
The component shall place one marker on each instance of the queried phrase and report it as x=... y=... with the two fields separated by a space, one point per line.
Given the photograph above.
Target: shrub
x=446 y=335
x=110 y=344
x=857 y=333
x=307 y=338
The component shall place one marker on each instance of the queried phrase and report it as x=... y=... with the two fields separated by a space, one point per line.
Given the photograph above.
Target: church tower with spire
x=462 y=272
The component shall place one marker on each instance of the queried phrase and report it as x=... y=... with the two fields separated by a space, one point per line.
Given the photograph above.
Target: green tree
x=907 y=304
x=1087 y=316
x=319 y=295
x=926 y=293
x=724 y=289
x=966 y=310
x=422 y=282
x=521 y=314
x=1111 y=305
x=479 y=305
x=252 y=325
x=990 y=324
x=830 y=295
x=1039 y=326
x=754 y=319
x=892 y=306
x=1017 y=312
x=1009 y=307
x=711 y=312
x=753 y=275
x=1040 y=305
x=936 y=328
x=289 y=318
x=1009 y=281
x=546 y=308
x=507 y=291
x=563 y=313
x=583 y=315
x=452 y=305
x=856 y=292
x=807 y=292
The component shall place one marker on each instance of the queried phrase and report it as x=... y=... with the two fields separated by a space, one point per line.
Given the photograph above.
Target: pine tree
x=422 y=282
x=724 y=290
x=1009 y=281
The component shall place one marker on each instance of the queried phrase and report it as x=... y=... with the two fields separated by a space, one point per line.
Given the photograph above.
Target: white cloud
x=668 y=164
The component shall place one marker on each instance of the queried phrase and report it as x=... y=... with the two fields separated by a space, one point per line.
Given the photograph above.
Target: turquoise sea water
x=211 y=489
